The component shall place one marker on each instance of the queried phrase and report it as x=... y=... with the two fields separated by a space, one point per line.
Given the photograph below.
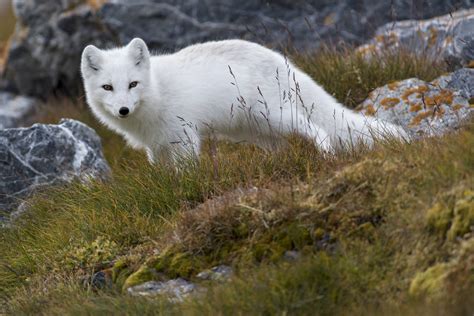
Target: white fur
x=233 y=89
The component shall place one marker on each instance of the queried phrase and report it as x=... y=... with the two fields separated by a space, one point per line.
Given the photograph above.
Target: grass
x=386 y=230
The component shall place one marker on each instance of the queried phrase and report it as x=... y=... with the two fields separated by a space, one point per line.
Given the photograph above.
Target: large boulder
x=45 y=51
x=450 y=37
x=44 y=155
x=15 y=110
x=422 y=108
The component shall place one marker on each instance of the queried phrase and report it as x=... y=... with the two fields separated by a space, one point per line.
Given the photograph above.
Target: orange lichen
x=440 y=112
x=96 y=4
x=457 y=107
x=329 y=19
x=471 y=64
x=409 y=92
x=389 y=102
x=380 y=38
x=420 y=117
x=432 y=37
x=444 y=97
x=370 y=110
x=393 y=85
x=415 y=107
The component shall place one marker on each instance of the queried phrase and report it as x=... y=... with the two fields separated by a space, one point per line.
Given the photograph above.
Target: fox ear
x=138 y=51
x=91 y=60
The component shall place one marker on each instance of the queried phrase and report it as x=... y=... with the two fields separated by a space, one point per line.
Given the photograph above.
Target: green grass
x=385 y=230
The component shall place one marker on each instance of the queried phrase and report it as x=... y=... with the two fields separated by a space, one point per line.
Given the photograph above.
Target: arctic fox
x=237 y=90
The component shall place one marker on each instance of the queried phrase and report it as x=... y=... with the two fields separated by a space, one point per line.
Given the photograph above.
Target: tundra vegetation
x=386 y=230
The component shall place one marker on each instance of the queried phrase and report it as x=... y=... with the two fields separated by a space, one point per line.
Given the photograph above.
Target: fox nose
x=124 y=111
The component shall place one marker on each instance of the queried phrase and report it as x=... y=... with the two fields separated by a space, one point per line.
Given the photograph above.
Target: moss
x=293 y=236
x=142 y=275
x=262 y=252
x=174 y=263
x=118 y=266
x=430 y=284
x=453 y=215
x=120 y=272
x=463 y=220
x=241 y=231
x=439 y=218
x=182 y=265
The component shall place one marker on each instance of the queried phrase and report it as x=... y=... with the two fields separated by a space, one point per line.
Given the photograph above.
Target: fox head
x=116 y=80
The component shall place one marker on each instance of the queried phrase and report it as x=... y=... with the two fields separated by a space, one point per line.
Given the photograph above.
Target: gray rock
x=424 y=109
x=291 y=255
x=461 y=81
x=44 y=155
x=450 y=37
x=45 y=51
x=15 y=110
x=218 y=273
x=175 y=290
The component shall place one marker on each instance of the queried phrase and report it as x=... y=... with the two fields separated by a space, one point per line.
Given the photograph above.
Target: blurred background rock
x=7 y=25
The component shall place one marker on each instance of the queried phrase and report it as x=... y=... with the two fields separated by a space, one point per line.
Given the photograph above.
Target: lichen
x=415 y=107
x=389 y=102
x=408 y=92
x=370 y=110
x=393 y=85
x=420 y=117
x=90 y=254
x=443 y=97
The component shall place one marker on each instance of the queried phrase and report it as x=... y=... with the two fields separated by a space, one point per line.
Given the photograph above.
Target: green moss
x=174 y=263
x=463 y=220
x=118 y=266
x=430 y=284
x=241 y=231
x=120 y=272
x=453 y=215
x=142 y=275
x=439 y=218
x=293 y=236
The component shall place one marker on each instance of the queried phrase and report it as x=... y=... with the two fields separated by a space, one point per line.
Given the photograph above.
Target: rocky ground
x=368 y=231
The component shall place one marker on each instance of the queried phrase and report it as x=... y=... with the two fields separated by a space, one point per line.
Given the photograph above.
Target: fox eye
x=133 y=84
x=107 y=87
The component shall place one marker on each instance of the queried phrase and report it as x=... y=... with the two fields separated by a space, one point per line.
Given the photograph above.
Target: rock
x=45 y=51
x=176 y=290
x=15 y=109
x=44 y=155
x=422 y=108
x=99 y=280
x=218 y=273
x=291 y=255
x=450 y=37
x=461 y=81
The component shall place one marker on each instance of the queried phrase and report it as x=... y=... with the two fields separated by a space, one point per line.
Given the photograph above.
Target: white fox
x=237 y=90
